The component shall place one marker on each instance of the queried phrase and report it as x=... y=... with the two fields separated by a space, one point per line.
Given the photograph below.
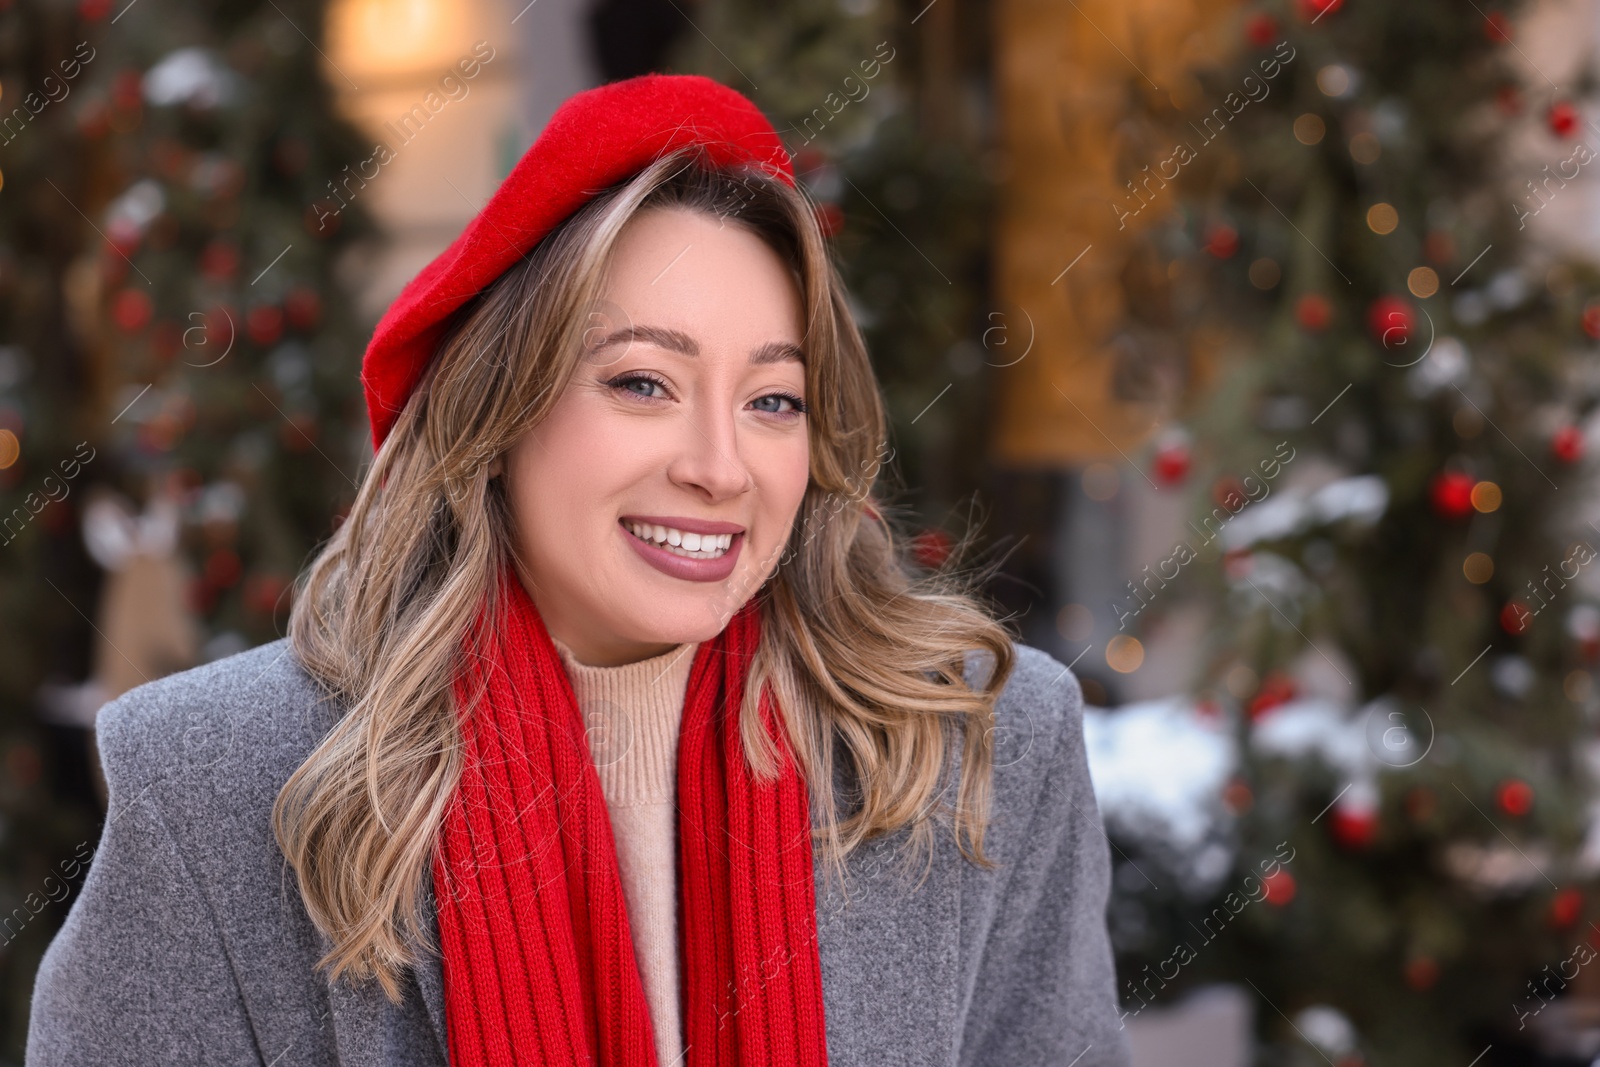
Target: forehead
x=696 y=273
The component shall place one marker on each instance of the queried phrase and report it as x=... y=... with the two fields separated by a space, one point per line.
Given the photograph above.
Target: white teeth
x=681 y=543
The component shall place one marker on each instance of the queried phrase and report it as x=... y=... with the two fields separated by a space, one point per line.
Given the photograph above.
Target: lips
x=677 y=566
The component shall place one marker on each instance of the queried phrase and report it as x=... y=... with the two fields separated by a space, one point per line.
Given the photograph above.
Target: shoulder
x=237 y=725
x=1038 y=717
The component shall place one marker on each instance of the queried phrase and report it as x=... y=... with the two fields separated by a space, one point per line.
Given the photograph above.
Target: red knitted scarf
x=538 y=960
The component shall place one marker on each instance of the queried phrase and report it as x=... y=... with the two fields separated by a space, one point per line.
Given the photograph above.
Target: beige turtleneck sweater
x=633 y=713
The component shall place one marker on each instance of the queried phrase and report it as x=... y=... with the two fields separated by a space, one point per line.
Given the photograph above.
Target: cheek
x=786 y=472
x=566 y=468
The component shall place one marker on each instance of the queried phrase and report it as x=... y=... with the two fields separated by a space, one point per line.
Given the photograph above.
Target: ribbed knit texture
x=633 y=713
x=538 y=956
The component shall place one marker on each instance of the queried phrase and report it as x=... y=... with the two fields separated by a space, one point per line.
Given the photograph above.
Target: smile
x=707 y=553
x=683 y=543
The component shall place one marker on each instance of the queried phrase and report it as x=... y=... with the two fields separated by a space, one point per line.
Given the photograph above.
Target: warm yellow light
x=1486 y=496
x=1309 y=128
x=1382 y=218
x=1423 y=282
x=10 y=448
x=1124 y=654
x=385 y=38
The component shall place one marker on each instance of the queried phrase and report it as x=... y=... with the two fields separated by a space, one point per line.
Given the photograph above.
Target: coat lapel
x=890 y=949
x=430 y=980
x=371 y=1031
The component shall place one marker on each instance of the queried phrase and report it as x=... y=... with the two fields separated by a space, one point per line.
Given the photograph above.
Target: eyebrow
x=678 y=341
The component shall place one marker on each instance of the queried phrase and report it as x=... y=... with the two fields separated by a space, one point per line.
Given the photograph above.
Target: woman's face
x=656 y=497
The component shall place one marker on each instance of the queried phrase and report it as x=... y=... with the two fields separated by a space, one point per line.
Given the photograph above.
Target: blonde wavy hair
x=861 y=648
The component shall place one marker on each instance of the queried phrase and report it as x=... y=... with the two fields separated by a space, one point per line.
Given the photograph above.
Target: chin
x=691 y=619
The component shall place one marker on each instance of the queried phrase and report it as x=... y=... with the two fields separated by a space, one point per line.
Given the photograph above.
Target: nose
x=708 y=458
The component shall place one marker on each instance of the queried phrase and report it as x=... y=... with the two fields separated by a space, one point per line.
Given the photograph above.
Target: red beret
x=595 y=139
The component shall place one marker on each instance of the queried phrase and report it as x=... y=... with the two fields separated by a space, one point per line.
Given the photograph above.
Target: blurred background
x=1255 y=343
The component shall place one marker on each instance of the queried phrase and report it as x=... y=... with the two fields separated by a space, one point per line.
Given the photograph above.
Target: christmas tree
x=176 y=195
x=1388 y=527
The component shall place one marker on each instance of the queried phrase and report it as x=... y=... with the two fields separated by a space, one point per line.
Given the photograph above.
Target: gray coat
x=189 y=943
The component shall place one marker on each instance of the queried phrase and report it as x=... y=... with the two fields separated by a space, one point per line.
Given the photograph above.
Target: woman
x=611 y=646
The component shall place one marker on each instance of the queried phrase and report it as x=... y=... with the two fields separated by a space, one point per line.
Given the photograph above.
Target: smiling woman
x=578 y=737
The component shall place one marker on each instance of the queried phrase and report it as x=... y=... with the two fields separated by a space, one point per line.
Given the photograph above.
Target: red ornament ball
x=1312 y=10
x=1172 y=464
x=1353 y=827
x=1497 y=27
x=1565 y=908
x=1261 y=29
x=1313 y=313
x=1390 y=321
x=1279 y=887
x=1567 y=444
x=1451 y=494
x=93 y=10
x=1591 y=319
x=1222 y=241
x=1562 y=118
x=1514 y=796
x=131 y=309
x=264 y=324
x=1276 y=690
x=1515 y=617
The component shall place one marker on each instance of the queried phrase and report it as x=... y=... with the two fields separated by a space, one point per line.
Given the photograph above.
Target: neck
x=621 y=656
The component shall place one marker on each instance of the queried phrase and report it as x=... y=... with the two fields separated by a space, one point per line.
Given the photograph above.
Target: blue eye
x=798 y=405
x=626 y=382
